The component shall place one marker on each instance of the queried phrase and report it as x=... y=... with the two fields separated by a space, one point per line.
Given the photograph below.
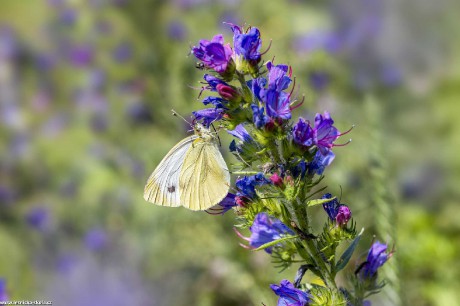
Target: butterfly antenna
x=174 y=113
x=215 y=131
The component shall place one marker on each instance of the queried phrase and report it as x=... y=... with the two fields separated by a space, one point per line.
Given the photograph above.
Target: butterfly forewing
x=204 y=180
x=162 y=187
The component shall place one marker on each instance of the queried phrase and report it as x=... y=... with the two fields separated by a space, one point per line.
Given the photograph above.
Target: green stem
x=311 y=247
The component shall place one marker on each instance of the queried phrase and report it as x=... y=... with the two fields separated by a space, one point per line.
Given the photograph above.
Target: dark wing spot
x=171 y=189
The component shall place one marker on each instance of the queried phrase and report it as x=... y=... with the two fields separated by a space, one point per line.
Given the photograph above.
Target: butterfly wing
x=162 y=187
x=204 y=180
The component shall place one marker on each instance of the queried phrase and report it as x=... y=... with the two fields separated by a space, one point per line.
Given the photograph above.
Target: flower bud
x=228 y=92
x=343 y=215
x=276 y=180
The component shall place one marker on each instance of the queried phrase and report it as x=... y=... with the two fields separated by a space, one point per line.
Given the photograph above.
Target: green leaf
x=275 y=242
x=319 y=201
x=342 y=262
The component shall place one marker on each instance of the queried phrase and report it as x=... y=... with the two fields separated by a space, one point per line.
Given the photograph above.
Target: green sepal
x=342 y=262
x=319 y=201
x=275 y=242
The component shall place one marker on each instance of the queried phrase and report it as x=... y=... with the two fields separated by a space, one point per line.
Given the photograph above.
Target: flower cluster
x=280 y=162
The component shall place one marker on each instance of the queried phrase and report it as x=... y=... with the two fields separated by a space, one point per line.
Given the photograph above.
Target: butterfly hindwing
x=204 y=180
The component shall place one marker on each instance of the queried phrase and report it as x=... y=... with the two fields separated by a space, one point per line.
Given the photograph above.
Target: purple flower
x=96 y=239
x=266 y=229
x=246 y=185
x=337 y=212
x=208 y=115
x=376 y=257
x=3 y=294
x=8 y=43
x=214 y=54
x=326 y=133
x=38 y=217
x=289 y=295
x=303 y=133
x=247 y=44
x=259 y=117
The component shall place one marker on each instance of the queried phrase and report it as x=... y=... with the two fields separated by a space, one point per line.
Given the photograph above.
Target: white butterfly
x=193 y=174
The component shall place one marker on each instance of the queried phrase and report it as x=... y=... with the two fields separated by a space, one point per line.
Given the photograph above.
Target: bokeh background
x=86 y=89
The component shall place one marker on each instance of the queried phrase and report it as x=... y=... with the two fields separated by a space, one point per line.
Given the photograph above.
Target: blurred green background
x=86 y=89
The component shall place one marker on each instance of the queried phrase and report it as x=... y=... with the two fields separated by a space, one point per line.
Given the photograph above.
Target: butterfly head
x=203 y=132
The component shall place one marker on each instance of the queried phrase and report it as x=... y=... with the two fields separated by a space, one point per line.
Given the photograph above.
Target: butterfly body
x=193 y=174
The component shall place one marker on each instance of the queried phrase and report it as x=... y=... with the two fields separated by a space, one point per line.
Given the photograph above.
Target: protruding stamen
x=268 y=48
x=241 y=235
x=342 y=144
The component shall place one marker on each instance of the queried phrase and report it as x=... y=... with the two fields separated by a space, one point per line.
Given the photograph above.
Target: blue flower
x=247 y=44
x=376 y=257
x=337 y=212
x=241 y=133
x=3 y=294
x=266 y=229
x=246 y=185
x=259 y=117
x=289 y=295
x=256 y=86
x=278 y=104
x=216 y=101
x=213 y=82
x=303 y=133
x=214 y=54
x=320 y=162
x=277 y=78
x=208 y=115
x=227 y=203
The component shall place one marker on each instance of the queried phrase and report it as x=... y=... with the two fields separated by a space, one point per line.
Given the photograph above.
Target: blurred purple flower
x=266 y=229
x=68 y=16
x=319 y=80
x=317 y=40
x=8 y=43
x=81 y=55
x=96 y=239
x=139 y=113
x=289 y=295
x=3 y=292
x=123 y=52
x=177 y=30
x=38 y=217
x=7 y=195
